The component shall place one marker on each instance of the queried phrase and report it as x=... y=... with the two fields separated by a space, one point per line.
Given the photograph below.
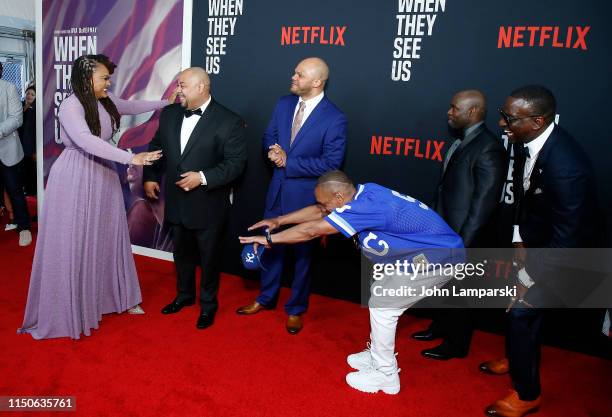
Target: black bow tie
x=197 y=112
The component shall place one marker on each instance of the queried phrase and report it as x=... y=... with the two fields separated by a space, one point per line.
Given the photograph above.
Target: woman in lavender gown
x=83 y=265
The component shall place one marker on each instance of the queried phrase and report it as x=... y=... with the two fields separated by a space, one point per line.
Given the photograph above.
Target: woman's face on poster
x=134 y=178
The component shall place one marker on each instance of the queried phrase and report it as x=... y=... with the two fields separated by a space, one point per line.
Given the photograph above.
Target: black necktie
x=197 y=112
x=520 y=153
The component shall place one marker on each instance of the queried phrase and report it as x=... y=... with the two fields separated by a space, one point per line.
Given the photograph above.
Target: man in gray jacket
x=11 y=153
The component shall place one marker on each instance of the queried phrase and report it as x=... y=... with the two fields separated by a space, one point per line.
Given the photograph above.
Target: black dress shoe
x=441 y=353
x=425 y=335
x=205 y=320
x=176 y=306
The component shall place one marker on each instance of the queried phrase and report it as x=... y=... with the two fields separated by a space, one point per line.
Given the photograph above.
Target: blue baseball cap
x=251 y=259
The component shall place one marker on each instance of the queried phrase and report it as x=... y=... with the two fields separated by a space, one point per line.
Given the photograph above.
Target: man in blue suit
x=305 y=138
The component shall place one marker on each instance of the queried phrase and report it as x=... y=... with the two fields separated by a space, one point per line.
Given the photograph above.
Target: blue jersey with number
x=392 y=226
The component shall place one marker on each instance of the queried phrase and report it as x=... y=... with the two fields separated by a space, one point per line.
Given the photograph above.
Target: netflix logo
x=571 y=37
x=416 y=148
x=320 y=35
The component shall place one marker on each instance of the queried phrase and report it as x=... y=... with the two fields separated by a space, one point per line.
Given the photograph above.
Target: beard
x=183 y=101
x=454 y=131
x=298 y=91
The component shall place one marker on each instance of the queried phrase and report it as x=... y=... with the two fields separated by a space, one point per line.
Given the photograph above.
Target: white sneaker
x=136 y=310
x=361 y=360
x=372 y=380
x=25 y=238
x=10 y=226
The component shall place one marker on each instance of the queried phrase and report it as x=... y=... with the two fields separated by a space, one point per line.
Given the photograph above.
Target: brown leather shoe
x=513 y=406
x=494 y=367
x=294 y=324
x=253 y=308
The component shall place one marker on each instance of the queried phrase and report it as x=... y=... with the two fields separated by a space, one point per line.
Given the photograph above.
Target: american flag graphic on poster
x=144 y=39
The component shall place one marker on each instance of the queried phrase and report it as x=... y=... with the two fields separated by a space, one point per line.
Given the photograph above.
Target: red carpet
x=156 y=365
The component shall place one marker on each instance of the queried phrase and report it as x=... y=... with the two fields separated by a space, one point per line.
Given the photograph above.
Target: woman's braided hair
x=82 y=87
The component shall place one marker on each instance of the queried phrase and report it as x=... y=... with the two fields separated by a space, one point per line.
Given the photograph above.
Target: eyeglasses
x=511 y=119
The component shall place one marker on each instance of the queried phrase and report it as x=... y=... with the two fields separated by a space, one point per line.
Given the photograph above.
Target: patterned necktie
x=297 y=121
x=528 y=169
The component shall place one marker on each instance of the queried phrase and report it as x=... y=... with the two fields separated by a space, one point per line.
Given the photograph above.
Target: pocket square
x=538 y=191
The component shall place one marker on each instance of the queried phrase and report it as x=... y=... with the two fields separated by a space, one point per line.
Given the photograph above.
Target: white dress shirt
x=189 y=124
x=534 y=147
x=310 y=105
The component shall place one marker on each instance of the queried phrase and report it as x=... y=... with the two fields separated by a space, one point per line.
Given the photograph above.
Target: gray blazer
x=11 y=117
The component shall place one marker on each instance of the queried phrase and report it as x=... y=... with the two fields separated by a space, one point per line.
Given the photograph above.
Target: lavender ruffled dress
x=83 y=264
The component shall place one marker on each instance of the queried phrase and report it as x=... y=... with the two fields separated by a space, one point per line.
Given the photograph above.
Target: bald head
x=317 y=68
x=198 y=74
x=473 y=99
x=309 y=78
x=467 y=108
x=193 y=87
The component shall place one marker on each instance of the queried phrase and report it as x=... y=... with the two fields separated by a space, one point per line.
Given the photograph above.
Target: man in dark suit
x=204 y=150
x=556 y=208
x=468 y=193
x=305 y=138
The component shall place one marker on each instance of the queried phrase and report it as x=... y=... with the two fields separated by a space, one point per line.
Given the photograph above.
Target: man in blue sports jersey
x=390 y=227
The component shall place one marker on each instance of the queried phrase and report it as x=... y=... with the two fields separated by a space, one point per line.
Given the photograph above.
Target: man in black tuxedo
x=468 y=194
x=556 y=208
x=204 y=150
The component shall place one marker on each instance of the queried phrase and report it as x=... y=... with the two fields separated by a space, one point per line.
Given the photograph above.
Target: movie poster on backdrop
x=144 y=39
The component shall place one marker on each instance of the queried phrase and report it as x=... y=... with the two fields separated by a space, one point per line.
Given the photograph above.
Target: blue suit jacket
x=559 y=210
x=318 y=147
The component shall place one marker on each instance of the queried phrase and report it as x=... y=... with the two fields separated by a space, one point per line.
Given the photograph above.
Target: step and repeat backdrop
x=394 y=66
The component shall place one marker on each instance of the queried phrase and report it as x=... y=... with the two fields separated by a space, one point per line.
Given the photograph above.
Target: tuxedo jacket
x=217 y=147
x=318 y=147
x=470 y=187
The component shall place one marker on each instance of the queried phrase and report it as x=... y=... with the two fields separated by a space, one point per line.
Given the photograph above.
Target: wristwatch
x=268 y=236
x=524 y=278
